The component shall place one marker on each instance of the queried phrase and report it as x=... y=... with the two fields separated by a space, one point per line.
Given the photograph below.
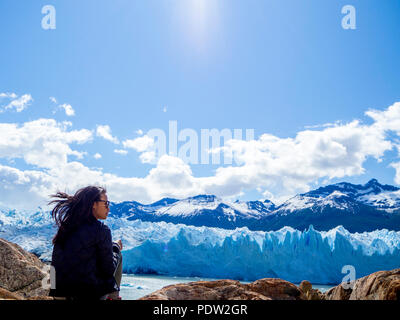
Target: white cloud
x=69 y=111
x=165 y=109
x=66 y=107
x=121 y=151
x=97 y=156
x=139 y=132
x=388 y=119
x=171 y=177
x=104 y=131
x=23 y=189
x=396 y=166
x=8 y=95
x=148 y=157
x=292 y=164
x=325 y=125
x=43 y=142
x=17 y=103
x=140 y=144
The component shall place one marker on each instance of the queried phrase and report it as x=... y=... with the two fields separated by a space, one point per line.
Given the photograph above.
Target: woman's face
x=100 y=208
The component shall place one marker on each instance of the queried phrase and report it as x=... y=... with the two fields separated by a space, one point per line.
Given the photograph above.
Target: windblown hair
x=72 y=211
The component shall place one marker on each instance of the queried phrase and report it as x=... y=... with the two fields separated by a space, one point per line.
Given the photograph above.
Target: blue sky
x=279 y=68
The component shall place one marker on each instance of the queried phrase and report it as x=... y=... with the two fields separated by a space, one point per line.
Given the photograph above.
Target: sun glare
x=199 y=20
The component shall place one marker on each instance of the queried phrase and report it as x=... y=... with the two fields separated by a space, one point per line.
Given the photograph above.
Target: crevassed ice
x=248 y=255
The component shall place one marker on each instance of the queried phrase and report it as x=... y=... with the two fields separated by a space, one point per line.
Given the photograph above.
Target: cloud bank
x=276 y=167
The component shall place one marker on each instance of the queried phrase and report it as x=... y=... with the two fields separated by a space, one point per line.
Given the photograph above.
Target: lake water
x=136 y=286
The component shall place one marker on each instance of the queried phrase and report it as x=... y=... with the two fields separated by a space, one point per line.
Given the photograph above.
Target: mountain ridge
x=357 y=207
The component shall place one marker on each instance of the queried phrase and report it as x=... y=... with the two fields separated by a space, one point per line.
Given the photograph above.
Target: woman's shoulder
x=100 y=227
x=103 y=227
x=95 y=230
x=95 y=226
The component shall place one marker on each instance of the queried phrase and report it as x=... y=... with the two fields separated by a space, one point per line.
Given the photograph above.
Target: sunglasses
x=106 y=203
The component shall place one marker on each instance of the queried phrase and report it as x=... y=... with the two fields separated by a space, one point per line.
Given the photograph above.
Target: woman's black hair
x=72 y=211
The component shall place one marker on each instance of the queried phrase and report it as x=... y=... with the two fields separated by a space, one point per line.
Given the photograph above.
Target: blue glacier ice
x=248 y=255
x=182 y=250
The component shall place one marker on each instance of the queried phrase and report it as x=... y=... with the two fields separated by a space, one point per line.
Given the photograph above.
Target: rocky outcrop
x=263 y=289
x=338 y=293
x=381 y=285
x=21 y=273
x=310 y=293
x=8 y=295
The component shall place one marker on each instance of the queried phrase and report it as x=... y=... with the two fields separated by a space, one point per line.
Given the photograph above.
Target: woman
x=88 y=265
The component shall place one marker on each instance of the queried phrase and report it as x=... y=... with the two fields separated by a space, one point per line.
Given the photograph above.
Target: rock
x=305 y=286
x=338 y=293
x=381 y=285
x=263 y=289
x=205 y=290
x=8 y=295
x=276 y=289
x=310 y=293
x=21 y=272
x=40 y=298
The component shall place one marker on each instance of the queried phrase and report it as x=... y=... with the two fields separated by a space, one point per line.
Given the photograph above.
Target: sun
x=199 y=20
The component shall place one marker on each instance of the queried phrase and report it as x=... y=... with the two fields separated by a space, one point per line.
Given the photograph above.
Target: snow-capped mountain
x=338 y=195
x=357 y=207
x=201 y=210
x=373 y=193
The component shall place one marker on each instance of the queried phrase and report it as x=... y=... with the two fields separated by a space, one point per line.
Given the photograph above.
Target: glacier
x=181 y=250
x=245 y=255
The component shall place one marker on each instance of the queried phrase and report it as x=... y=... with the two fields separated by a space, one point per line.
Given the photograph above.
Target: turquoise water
x=136 y=286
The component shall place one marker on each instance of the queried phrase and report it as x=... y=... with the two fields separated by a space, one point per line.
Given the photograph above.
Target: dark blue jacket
x=85 y=262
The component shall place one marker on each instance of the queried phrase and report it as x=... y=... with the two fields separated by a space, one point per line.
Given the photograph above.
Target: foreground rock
x=310 y=293
x=8 y=295
x=263 y=289
x=381 y=285
x=21 y=273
